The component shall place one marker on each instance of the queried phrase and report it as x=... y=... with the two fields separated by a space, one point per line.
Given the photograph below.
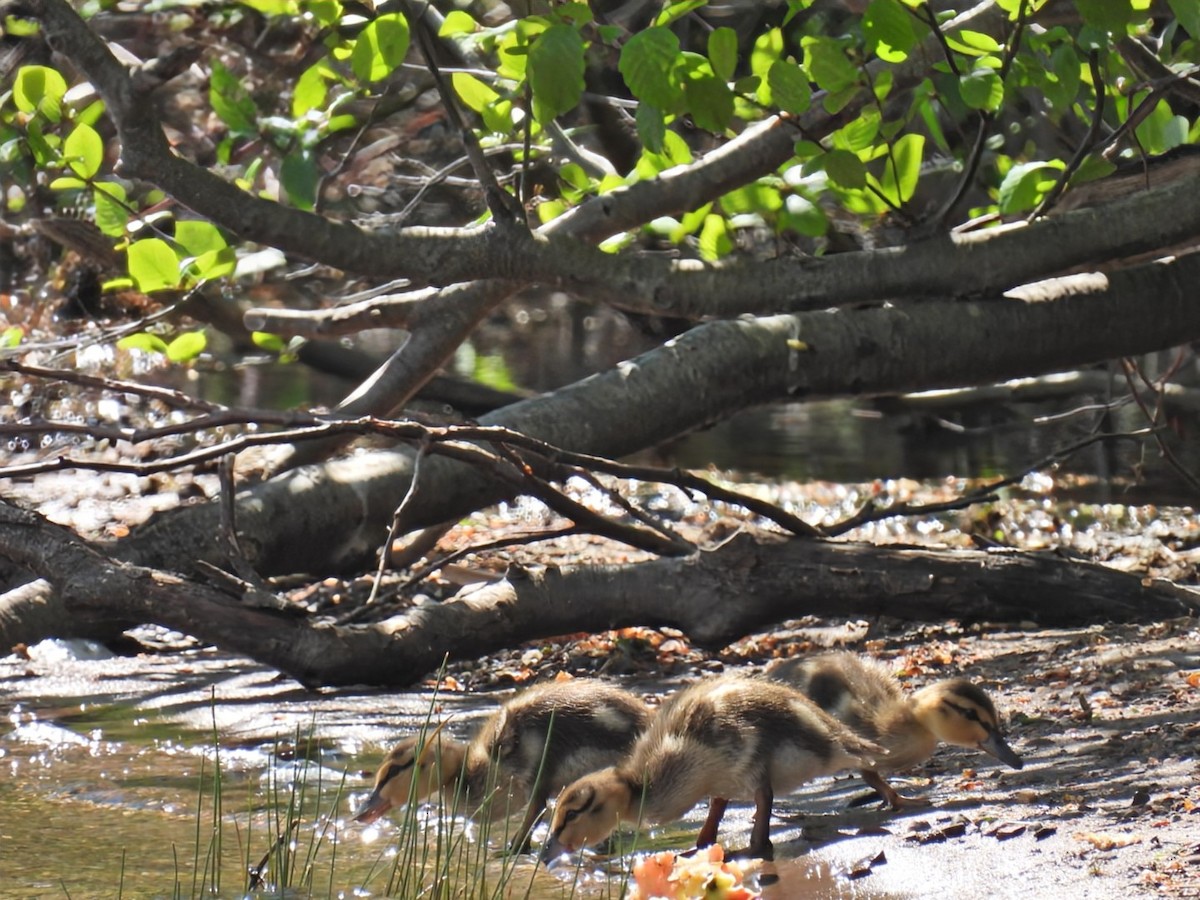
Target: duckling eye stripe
x=394 y=770
x=967 y=712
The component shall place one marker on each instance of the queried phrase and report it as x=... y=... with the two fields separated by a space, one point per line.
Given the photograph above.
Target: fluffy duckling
x=864 y=695
x=536 y=742
x=729 y=738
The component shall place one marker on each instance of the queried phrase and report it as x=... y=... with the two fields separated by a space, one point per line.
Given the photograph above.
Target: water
x=171 y=776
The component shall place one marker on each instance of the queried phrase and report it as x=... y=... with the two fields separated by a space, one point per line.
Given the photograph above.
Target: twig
x=174 y=399
x=308 y=426
x=985 y=493
x=385 y=553
x=233 y=549
x=505 y=208
x=1085 y=146
x=985 y=118
x=930 y=19
x=420 y=574
x=256 y=873
x=1128 y=367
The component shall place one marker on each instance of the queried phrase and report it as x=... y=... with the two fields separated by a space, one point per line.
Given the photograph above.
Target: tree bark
x=714 y=597
x=333 y=517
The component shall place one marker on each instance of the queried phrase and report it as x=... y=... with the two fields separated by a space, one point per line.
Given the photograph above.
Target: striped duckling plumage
x=864 y=695
x=539 y=740
x=731 y=737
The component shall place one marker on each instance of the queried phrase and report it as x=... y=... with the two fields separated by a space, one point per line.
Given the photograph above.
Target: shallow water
x=171 y=776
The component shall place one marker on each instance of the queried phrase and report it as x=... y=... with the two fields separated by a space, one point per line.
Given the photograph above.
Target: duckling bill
x=538 y=741
x=863 y=695
x=727 y=738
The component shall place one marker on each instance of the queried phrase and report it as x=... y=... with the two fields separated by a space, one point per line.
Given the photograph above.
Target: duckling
x=864 y=695
x=731 y=737
x=539 y=740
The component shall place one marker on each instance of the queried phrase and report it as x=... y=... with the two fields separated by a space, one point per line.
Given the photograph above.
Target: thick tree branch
x=950 y=265
x=715 y=597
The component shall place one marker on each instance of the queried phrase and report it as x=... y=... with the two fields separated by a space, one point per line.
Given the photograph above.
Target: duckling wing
x=559 y=732
x=859 y=693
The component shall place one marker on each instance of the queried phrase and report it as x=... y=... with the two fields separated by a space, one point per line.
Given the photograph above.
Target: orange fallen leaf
x=1193 y=679
x=1107 y=841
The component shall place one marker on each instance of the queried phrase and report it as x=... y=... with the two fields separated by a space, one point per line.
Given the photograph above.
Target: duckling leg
x=708 y=832
x=760 y=834
x=891 y=797
x=520 y=841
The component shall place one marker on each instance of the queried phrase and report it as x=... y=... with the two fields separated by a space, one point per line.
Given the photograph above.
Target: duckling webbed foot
x=892 y=799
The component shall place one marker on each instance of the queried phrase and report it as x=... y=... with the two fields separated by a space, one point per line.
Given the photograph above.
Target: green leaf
x=1112 y=16
x=273 y=7
x=457 y=22
x=768 y=47
x=845 y=169
x=67 y=183
x=272 y=343
x=1093 y=167
x=112 y=216
x=1162 y=130
x=715 y=241
x=756 y=197
x=473 y=92
x=982 y=89
x=576 y=13
x=1025 y=184
x=888 y=30
x=514 y=47
x=1064 y=68
x=327 y=12
x=144 y=341
x=977 y=40
x=153 y=265
x=689 y=223
x=723 y=52
x=12 y=337
x=555 y=71
x=790 y=90
x=39 y=89
x=859 y=133
x=651 y=127
x=16 y=26
x=827 y=64
x=747 y=85
x=380 y=47
x=932 y=122
x=310 y=90
x=900 y=179
x=1188 y=14
x=299 y=176
x=647 y=63
x=214 y=264
x=83 y=151
x=42 y=146
x=677 y=10
x=198 y=236
x=187 y=346
x=231 y=101
x=709 y=100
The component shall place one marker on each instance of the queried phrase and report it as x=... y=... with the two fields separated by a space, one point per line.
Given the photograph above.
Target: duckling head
x=957 y=712
x=413 y=771
x=587 y=812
